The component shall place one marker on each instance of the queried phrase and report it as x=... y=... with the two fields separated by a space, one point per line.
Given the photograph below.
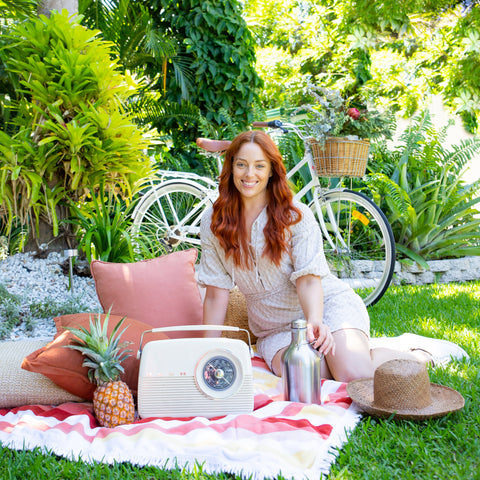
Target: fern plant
x=420 y=188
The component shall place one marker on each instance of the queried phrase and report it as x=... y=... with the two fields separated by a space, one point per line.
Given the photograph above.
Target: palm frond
x=398 y=200
x=413 y=138
x=148 y=109
x=17 y=9
x=158 y=45
x=463 y=152
x=183 y=73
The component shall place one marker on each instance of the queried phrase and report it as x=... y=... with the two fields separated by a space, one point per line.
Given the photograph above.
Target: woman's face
x=251 y=171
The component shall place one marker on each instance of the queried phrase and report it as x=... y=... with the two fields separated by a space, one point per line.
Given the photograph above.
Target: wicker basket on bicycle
x=340 y=157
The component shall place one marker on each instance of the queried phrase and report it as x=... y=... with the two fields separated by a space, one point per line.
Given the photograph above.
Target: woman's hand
x=322 y=338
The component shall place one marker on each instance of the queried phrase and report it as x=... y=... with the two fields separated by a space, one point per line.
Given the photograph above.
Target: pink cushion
x=160 y=292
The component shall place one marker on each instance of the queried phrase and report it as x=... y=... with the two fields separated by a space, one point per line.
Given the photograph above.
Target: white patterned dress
x=270 y=291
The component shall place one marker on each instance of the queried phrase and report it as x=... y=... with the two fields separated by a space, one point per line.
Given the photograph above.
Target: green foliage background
x=419 y=186
x=218 y=54
x=198 y=58
x=402 y=52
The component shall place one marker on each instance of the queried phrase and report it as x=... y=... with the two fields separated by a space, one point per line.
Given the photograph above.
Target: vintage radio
x=185 y=377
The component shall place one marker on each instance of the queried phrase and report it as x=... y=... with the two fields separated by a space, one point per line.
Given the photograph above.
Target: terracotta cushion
x=160 y=292
x=63 y=365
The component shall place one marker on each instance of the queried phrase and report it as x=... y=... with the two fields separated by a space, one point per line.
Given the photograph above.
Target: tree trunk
x=45 y=235
x=46 y=6
x=45 y=239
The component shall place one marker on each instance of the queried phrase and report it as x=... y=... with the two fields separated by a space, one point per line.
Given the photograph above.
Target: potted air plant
x=339 y=131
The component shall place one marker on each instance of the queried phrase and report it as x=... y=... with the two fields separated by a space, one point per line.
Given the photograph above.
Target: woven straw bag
x=237 y=316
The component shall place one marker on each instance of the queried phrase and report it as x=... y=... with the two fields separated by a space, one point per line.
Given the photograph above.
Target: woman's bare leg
x=380 y=355
x=353 y=358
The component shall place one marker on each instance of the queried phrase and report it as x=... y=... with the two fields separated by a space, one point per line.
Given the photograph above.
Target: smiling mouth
x=249 y=184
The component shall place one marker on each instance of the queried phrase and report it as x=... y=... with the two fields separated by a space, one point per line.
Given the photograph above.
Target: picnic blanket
x=292 y=439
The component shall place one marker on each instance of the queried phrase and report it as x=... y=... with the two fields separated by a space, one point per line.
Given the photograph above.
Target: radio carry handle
x=187 y=328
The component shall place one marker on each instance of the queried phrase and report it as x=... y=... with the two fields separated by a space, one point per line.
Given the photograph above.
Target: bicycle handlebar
x=271 y=124
x=285 y=127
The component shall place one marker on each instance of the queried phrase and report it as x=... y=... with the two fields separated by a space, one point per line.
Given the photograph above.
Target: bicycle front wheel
x=359 y=244
x=170 y=214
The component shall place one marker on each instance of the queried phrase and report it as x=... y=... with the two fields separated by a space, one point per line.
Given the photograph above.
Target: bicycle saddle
x=213 y=146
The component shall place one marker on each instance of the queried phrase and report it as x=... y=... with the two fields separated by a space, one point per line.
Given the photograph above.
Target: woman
x=256 y=237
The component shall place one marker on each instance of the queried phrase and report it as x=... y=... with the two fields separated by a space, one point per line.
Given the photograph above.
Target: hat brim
x=444 y=401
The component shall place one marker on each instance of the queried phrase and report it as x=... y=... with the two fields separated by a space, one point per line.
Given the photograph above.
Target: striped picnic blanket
x=292 y=439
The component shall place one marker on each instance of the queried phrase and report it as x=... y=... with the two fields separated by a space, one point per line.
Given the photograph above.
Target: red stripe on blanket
x=340 y=397
x=260 y=363
x=253 y=425
x=260 y=426
x=323 y=430
x=59 y=412
x=261 y=401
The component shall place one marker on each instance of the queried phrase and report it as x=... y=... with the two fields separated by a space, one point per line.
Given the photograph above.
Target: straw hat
x=403 y=388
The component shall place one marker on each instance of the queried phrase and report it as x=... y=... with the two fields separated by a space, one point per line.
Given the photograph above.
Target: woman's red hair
x=227 y=220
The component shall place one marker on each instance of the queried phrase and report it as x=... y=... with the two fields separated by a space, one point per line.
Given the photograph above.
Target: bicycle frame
x=208 y=191
x=188 y=176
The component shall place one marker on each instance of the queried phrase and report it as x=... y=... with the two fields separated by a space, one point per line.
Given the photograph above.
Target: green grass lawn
x=445 y=448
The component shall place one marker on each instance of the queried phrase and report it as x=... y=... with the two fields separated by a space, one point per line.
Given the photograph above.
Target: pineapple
x=112 y=399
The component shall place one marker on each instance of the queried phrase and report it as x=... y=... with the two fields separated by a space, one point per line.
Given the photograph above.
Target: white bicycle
x=359 y=243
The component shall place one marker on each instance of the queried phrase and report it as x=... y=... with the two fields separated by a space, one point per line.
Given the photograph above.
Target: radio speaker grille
x=180 y=396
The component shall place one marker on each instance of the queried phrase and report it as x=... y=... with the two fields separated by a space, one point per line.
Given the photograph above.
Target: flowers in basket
x=339 y=131
x=330 y=115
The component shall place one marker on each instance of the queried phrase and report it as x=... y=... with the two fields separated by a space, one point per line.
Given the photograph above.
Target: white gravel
x=42 y=281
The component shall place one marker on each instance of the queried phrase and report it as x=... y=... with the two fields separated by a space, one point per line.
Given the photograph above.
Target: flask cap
x=300 y=323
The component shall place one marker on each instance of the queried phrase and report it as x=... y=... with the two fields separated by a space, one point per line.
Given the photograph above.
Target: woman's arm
x=310 y=294
x=215 y=308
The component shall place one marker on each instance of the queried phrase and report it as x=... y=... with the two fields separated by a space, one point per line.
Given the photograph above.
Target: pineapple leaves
x=103 y=353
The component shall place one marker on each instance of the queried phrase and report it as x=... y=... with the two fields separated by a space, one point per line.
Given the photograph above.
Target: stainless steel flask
x=301 y=367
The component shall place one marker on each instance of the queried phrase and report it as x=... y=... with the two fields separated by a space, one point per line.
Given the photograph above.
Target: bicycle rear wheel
x=170 y=214
x=356 y=230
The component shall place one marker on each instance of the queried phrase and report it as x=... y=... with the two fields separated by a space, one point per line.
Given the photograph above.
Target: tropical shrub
x=15 y=9
x=71 y=129
x=419 y=186
x=12 y=238
x=103 y=225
